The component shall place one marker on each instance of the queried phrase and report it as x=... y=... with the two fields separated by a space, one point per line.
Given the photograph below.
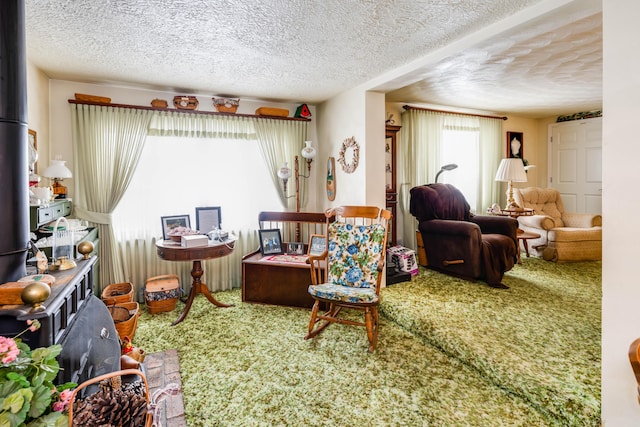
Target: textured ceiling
x=309 y=51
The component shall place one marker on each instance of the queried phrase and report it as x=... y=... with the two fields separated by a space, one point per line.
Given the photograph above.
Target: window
x=462 y=148
x=177 y=174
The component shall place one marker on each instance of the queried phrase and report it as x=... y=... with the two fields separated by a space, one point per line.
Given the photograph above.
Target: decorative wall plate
x=349 y=155
x=331 y=179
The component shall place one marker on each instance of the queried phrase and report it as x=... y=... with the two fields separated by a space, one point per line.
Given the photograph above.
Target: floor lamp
x=511 y=170
x=284 y=173
x=449 y=167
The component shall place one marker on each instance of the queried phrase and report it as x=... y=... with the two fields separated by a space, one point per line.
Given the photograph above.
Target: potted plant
x=28 y=396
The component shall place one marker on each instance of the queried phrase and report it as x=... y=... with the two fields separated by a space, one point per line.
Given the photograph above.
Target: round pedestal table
x=172 y=251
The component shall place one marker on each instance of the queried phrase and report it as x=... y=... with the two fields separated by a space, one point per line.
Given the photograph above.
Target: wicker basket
x=159 y=103
x=117 y=375
x=161 y=293
x=185 y=102
x=125 y=316
x=226 y=105
x=117 y=293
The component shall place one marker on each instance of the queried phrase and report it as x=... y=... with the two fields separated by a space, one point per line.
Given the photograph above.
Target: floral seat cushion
x=354 y=254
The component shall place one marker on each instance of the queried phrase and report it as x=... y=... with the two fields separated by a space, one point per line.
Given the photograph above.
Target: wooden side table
x=170 y=251
x=525 y=236
x=522 y=235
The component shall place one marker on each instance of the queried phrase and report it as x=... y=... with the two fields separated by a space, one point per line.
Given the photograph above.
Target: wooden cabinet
x=50 y=212
x=44 y=214
x=275 y=283
x=390 y=179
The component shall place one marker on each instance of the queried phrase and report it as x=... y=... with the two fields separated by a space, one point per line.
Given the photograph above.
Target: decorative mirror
x=349 y=155
x=331 y=179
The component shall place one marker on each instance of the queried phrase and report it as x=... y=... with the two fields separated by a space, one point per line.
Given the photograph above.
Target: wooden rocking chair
x=348 y=273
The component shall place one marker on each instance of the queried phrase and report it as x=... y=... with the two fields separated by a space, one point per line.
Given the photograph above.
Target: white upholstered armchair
x=563 y=236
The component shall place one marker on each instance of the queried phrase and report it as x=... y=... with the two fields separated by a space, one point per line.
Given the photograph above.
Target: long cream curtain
x=107 y=142
x=420 y=142
x=490 y=155
x=280 y=141
x=419 y=155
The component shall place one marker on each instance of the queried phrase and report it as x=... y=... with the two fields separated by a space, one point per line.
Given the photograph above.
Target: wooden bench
x=274 y=282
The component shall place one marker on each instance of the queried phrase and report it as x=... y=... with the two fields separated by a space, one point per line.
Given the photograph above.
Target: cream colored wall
x=533 y=144
x=374 y=153
x=620 y=288
x=38 y=114
x=60 y=116
x=359 y=114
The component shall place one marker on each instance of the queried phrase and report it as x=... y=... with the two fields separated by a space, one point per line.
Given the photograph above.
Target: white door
x=575 y=164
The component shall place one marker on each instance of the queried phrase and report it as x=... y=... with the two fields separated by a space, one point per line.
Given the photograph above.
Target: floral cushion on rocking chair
x=354 y=253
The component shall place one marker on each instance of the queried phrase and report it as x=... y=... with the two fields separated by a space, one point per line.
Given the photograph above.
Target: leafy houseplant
x=28 y=396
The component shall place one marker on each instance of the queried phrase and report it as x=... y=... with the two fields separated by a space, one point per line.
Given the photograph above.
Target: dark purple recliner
x=460 y=243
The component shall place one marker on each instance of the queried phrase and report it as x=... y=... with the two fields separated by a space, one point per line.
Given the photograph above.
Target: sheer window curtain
x=192 y=161
x=107 y=142
x=280 y=141
x=107 y=145
x=419 y=154
x=420 y=142
x=491 y=152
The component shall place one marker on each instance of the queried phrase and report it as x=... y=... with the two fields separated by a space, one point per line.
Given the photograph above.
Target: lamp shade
x=308 y=152
x=511 y=170
x=57 y=169
x=284 y=172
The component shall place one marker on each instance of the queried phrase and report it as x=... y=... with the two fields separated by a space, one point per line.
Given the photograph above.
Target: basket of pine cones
x=121 y=400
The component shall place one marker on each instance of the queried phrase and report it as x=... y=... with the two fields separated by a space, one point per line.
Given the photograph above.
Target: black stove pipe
x=14 y=166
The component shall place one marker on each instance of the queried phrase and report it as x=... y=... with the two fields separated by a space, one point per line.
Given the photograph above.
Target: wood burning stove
x=74 y=318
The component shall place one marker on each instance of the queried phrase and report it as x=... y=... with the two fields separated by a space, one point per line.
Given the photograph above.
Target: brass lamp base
x=511 y=203
x=63 y=264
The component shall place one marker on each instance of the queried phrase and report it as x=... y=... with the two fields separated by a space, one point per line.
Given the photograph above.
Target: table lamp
x=58 y=171
x=511 y=170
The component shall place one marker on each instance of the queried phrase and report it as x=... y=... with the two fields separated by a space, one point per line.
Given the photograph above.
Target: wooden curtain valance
x=177 y=110
x=409 y=107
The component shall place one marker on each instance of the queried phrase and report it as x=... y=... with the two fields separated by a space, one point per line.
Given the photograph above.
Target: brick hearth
x=161 y=369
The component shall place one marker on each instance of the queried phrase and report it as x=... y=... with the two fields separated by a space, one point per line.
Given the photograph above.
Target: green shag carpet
x=450 y=353
x=539 y=339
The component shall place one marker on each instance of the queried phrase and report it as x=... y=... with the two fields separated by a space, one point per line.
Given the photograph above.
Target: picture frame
x=270 y=241
x=317 y=244
x=208 y=218
x=515 y=145
x=295 y=248
x=173 y=221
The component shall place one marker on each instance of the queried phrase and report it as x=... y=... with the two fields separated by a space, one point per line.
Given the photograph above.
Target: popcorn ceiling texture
x=270 y=49
x=551 y=67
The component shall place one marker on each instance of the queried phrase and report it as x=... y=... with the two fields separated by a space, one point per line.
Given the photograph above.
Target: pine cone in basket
x=114 y=404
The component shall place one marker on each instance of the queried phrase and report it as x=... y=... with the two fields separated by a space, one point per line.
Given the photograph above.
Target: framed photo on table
x=208 y=219
x=171 y=222
x=317 y=244
x=270 y=241
x=296 y=248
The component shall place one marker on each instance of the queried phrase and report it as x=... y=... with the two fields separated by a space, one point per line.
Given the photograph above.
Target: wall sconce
x=58 y=171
